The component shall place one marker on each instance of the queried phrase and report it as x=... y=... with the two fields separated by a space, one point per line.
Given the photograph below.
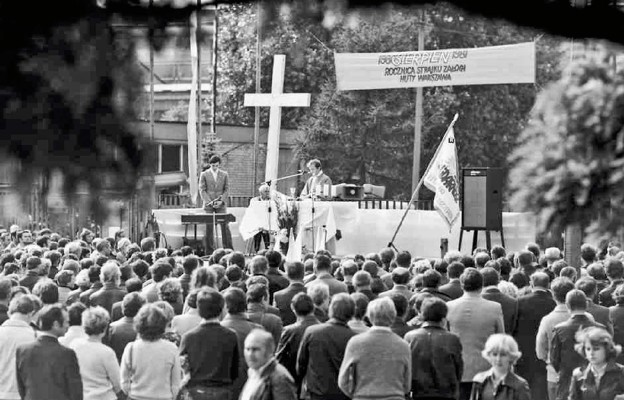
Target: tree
x=568 y=167
x=367 y=136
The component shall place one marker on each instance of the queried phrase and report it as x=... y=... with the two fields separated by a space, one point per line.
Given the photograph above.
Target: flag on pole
x=441 y=177
x=191 y=126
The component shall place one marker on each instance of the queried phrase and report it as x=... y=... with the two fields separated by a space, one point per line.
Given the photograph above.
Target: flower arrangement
x=287 y=213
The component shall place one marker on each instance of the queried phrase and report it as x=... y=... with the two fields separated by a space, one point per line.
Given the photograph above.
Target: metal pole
x=151 y=67
x=257 y=109
x=418 y=118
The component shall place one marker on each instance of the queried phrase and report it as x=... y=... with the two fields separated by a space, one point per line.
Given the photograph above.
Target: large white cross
x=276 y=100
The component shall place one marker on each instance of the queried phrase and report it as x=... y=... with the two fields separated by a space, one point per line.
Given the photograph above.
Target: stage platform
x=369 y=230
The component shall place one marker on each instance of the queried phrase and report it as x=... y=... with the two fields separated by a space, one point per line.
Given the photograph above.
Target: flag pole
x=420 y=182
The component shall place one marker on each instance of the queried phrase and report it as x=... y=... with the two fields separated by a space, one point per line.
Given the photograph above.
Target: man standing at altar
x=213 y=188
x=319 y=184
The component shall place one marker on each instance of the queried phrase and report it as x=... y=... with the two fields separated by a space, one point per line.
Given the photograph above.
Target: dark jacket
x=437 y=364
x=563 y=356
x=435 y=292
x=452 y=289
x=600 y=314
x=240 y=324
x=288 y=347
x=508 y=304
x=532 y=307
x=108 y=295
x=584 y=387
x=120 y=333
x=258 y=314
x=604 y=297
x=617 y=316
x=277 y=281
x=30 y=279
x=116 y=311
x=47 y=370
x=320 y=355
x=85 y=296
x=400 y=327
x=513 y=387
x=282 y=299
x=276 y=384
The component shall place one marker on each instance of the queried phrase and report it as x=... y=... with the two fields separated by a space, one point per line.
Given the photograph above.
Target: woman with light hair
x=602 y=378
x=170 y=290
x=377 y=363
x=499 y=382
x=508 y=288
x=98 y=363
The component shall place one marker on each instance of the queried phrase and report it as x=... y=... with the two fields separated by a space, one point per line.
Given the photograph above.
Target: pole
x=198 y=98
x=421 y=180
x=151 y=67
x=418 y=118
x=213 y=121
x=254 y=161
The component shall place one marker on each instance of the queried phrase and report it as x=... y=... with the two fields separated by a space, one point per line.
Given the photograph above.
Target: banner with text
x=513 y=63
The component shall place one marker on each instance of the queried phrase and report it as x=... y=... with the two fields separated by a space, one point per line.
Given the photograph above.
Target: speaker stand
x=475 y=234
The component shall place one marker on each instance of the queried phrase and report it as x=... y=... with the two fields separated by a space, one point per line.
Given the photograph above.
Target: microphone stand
x=269 y=182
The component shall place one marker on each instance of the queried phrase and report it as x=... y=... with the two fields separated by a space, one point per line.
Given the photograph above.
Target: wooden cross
x=276 y=100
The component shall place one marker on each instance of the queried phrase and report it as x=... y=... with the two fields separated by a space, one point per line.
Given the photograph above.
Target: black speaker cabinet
x=482 y=205
x=350 y=192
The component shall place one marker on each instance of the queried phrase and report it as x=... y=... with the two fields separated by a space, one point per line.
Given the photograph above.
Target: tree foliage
x=568 y=168
x=367 y=136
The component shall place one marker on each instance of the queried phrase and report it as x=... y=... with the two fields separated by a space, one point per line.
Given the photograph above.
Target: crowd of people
x=105 y=318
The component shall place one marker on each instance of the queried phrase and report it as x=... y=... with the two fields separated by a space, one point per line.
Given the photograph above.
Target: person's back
x=14 y=332
x=110 y=292
x=47 y=370
x=257 y=295
x=437 y=364
x=616 y=313
x=322 y=350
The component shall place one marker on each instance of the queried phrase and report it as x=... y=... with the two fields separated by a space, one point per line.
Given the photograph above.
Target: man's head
x=540 y=280
x=319 y=294
x=432 y=279
x=588 y=253
x=576 y=301
x=209 y=303
x=362 y=280
x=433 y=309
x=5 y=290
x=265 y=191
x=25 y=237
x=322 y=264
x=53 y=319
x=381 y=312
x=497 y=252
x=47 y=291
x=455 y=269
x=259 y=348
x=342 y=307
x=259 y=265
x=525 y=258
x=294 y=271
x=560 y=288
x=614 y=269
x=314 y=166
x=490 y=277
x=386 y=255
x=588 y=286
x=131 y=304
x=302 y=305
x=400 y=304
x=235 y=301
x=552 y=254
x=481 y=258
x=190 y=264
x=404 y=259
x=148 y=244
x=23 y=305
x=257 y=293
x=274 y=258
x=400 y=276
x=215 y=162
x=471 y=280
x=534 y=249
x=109 y=273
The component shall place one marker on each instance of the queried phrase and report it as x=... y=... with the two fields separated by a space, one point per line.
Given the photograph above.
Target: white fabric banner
x=513 y=63
x=442 y=178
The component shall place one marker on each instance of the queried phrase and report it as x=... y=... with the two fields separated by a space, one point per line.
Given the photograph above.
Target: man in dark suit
x=214 y=191
x=47 y=370
x=400 y=278
x=362 y=283
x=319 y=184
x=257 y=298
x=508 y=303
x=431 y=282
x=601 y=314
x=322 y=350
x=110 y=293
x=237 y=320
x=563 y=355
x=531 y=309
x=453 y=288
x=122 y=332
x=288 y=347
x=277 y=280
x=282 y=299
x=322 y=271
x=615 y=274
x=33 y=265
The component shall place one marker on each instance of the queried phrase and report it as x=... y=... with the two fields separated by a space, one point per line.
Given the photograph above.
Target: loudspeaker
x=349 y=192
x=482 y=205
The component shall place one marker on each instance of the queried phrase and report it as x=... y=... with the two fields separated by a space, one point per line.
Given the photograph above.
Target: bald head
x=259 y=347
x=540 y=280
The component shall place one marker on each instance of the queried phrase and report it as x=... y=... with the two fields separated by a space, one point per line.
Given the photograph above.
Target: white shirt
x=74 y=332
x=253 y=381
x=214 y=173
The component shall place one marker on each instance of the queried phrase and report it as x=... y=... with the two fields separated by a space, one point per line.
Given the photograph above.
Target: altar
x=363 y=230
